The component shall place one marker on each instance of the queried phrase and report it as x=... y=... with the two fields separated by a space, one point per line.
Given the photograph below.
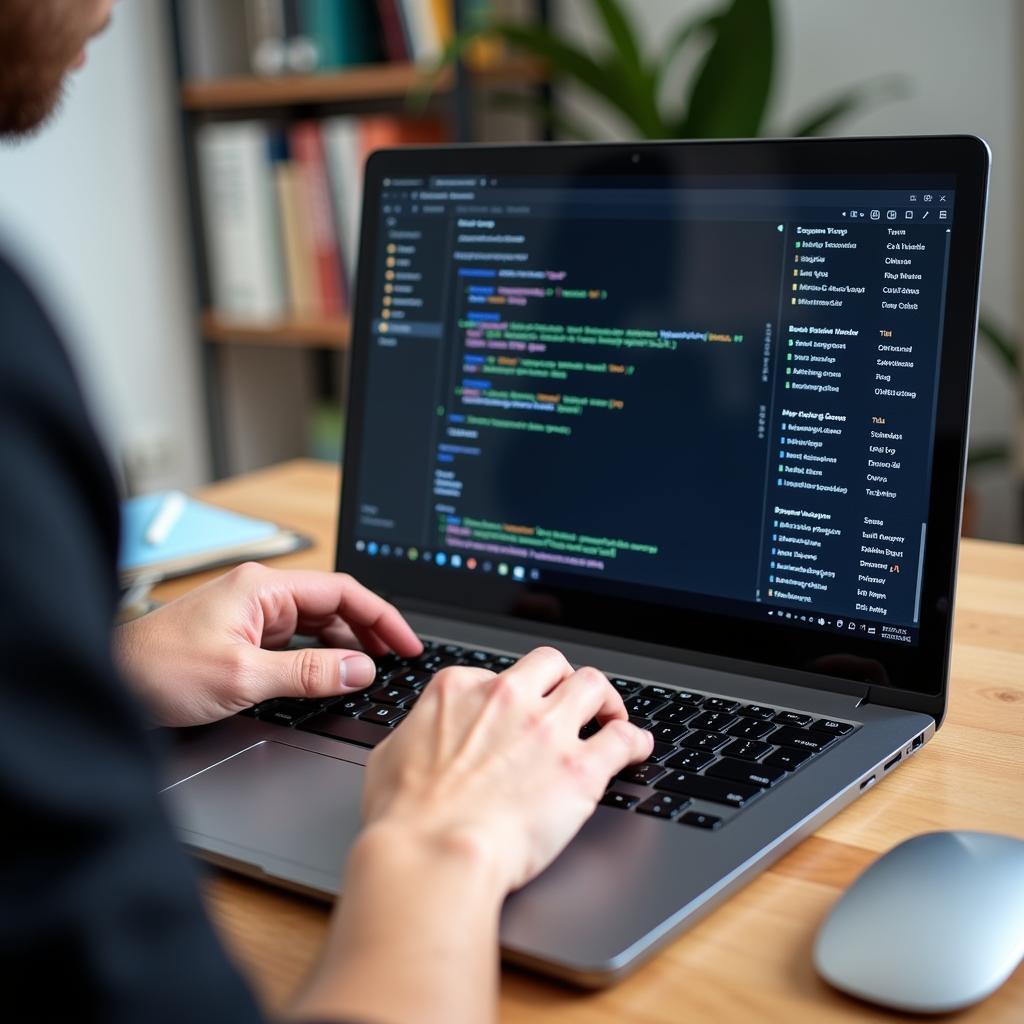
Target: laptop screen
x=714 y=397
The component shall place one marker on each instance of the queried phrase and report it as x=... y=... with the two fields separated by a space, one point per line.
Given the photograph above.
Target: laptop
x=694 y=412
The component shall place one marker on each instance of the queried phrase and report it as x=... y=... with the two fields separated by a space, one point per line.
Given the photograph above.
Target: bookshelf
x=369 y=83
x=283 y=100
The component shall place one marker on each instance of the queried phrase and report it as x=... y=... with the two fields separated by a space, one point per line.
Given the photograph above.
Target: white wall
x=962 y=64
x=95 y=207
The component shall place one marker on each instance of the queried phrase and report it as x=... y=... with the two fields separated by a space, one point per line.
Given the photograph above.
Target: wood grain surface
x=749 y=960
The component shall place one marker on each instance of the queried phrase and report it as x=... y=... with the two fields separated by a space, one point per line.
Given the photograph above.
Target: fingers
x=308 y=672
x=587 y=694
x=378 y=625
x=538 y=672
x=617 y=744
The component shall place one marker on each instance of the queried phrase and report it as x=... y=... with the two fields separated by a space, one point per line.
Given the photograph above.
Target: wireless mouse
x=934 y=925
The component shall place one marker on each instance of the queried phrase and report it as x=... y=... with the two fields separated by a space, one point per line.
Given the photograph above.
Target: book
x=343 y=33
x=348 y=141
x=297 y=236
x=424 y=33
x=265 y=29
x=241 y=230
x=213 y=40
x=299 y=46
x=394 y=38
x=345 y=173
x=307 y=150
x=202 y=537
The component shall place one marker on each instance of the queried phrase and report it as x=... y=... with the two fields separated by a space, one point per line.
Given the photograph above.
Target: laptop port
x=867 y=782
x=891 y=762
x=918 y=741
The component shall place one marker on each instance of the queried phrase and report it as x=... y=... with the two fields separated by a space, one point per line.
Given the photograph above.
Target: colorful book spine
x=308 y=151
x=394 y=37
x=297 y=238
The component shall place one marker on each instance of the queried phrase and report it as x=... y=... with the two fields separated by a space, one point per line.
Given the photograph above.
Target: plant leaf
x=867 y=94
x=686 y=33
x=731 y=90
x=1008 y=351
x=563 y=58
x=620 y=32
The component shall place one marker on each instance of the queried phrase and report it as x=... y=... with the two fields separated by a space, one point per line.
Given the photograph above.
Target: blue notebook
x=204 y=536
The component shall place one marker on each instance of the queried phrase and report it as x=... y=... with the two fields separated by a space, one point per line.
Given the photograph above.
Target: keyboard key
x=288 y=714
x=690 y=760
x=832 y=726
x=719 y=791
x=749 y=728
x=792 y=718
x=661 y=693
x=382 y=714
x=480 y=657
x=677 y=714
x=660 y=752
x=643 y=723
x=625 y=686
x=664 y=805
x=504 y=661
x=667 y=732
x=719 y=704
x=713 y=721
x=354 y=730
x=350 y=706
x=745 y=771
x=749 y=750
x=698 y=820
x=615 y=798
x=589 y=729
x=686 y=697
x=643 y=707
x=641 y=774
x=454 y=649
x=396 y=695
x=814 y=742
x=413 y=678
x=705 y=740
x=756 y=711
x=786 y=757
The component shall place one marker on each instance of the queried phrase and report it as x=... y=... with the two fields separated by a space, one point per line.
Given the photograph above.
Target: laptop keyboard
x=712 y=756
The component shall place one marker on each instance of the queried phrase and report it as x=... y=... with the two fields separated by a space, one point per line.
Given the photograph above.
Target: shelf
x=293 y=333
x=369 y=82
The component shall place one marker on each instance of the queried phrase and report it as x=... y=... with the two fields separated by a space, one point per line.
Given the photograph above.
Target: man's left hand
x=217 y=650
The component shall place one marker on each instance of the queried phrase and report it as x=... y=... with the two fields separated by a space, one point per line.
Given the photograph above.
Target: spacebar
x=366 y=734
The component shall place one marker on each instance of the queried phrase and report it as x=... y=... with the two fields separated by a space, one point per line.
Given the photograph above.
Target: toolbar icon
x=876 y=214
x=890 y=214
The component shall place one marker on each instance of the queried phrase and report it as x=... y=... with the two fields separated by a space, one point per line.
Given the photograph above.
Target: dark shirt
x=100 y=918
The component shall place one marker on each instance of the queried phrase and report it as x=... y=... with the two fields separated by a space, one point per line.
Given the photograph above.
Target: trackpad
x=293 y=813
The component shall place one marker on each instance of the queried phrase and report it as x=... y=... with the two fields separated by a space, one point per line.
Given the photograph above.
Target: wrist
x=466 y=855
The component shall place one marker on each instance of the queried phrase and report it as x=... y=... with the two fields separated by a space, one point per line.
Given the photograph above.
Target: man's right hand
x=495 y=762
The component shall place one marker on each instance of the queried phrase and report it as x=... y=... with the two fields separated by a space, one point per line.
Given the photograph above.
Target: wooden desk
x=750 y=960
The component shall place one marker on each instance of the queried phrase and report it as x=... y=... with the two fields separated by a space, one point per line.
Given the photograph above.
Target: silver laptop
x=696 y=413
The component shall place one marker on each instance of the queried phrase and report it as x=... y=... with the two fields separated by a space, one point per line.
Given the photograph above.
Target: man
x=481 y=788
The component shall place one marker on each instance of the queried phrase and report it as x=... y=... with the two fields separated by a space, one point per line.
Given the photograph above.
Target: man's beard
x=24 y=116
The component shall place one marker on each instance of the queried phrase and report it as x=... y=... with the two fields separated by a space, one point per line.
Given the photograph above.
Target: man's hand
x=478 y=791
x=496 y=763
x=216 y=650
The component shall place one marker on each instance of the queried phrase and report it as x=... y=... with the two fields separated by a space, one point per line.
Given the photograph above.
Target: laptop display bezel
x=885 y=669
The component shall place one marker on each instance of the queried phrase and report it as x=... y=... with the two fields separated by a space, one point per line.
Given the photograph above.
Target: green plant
x=733 y=52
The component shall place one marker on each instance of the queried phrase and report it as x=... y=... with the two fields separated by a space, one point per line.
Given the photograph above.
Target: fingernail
x=357 y=672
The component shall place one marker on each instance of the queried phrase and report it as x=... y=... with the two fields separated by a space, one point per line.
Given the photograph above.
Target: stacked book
x=281 y=211
x=274 y=37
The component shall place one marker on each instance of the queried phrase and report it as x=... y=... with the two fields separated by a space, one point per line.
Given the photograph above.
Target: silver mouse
x=933 y=926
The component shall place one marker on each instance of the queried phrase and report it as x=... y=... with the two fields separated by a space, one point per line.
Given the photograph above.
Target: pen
x=166 y=516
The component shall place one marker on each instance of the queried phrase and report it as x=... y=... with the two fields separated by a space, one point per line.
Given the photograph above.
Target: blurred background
x=191 y=218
